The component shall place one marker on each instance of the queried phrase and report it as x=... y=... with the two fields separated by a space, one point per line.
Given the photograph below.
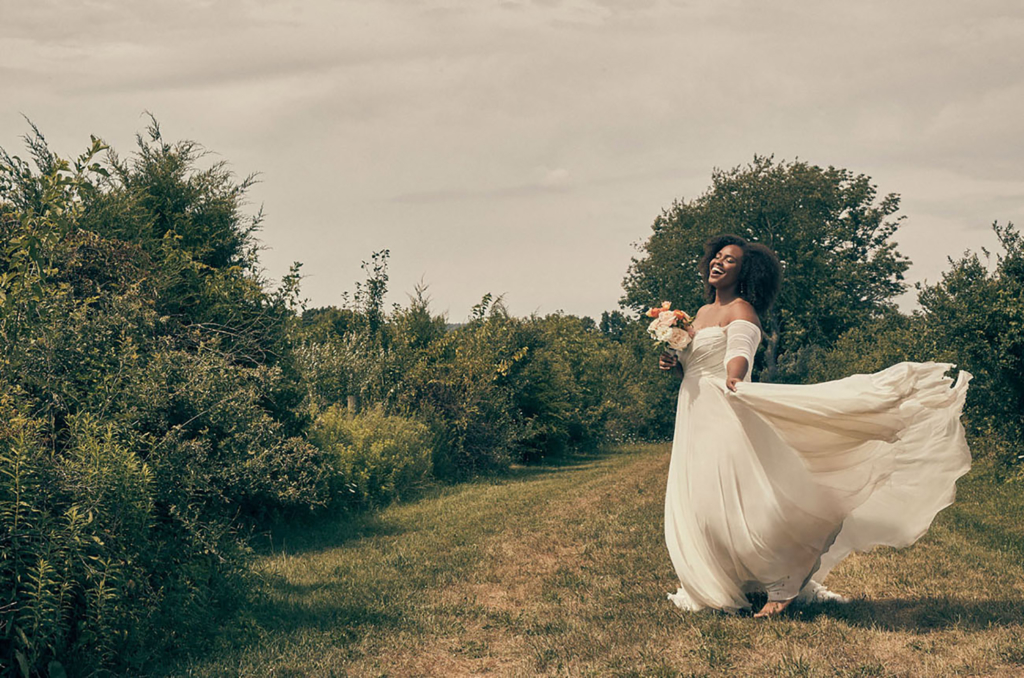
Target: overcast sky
x=521 y=148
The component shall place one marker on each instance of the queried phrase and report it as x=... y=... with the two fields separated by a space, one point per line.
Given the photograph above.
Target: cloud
x=554 y=181
x=555 y=178
x=442 y=126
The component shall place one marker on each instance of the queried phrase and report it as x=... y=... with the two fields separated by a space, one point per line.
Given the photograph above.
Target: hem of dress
x=683 y=601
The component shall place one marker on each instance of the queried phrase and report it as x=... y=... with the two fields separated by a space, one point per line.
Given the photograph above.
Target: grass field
x=561 y=570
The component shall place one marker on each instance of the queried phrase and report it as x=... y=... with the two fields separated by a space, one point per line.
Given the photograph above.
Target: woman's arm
x=742 y=339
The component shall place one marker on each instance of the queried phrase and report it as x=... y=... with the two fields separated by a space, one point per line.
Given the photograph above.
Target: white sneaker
x=814 y=592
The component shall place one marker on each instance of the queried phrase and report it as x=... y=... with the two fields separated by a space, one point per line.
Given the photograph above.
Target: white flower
x=678 y=338
x=666 y=319
x=652 y=329
x=662 y=329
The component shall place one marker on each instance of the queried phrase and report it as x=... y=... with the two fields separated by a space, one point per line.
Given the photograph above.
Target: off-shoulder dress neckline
x=723 y=327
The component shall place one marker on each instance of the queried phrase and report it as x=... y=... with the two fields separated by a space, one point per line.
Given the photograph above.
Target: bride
x=772 y=484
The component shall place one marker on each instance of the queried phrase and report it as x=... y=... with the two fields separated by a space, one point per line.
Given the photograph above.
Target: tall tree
x=829 y=227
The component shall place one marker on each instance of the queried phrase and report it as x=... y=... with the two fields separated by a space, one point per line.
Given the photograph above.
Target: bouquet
x=663 y=328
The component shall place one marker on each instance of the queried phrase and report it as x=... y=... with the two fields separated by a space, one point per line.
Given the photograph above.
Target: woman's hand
x=667 y=361
x=735 y=370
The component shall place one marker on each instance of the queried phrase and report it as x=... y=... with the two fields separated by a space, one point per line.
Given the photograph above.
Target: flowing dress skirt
x=776 y=483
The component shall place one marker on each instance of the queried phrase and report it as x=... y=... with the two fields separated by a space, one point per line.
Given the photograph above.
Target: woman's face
x=724 y=271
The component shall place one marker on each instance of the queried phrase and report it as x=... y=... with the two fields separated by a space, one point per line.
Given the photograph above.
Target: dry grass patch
x=562 y=570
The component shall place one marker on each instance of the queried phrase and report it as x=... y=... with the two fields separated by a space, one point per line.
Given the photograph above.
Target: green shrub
x=640 y=398
x=876 y=344
x=976 y=314
x=209 y=436
x=376 y=457
x=461 y=385
x=147 y=407
x=94 y=572
x=973 y=317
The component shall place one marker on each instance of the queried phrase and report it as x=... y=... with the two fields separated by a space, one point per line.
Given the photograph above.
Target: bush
x=376 y=457
x=460 y=385
x=975 y=315
x=497 y=389
x=97 y=570
x=146 y=407
x=641 y=399
x=198 y=412
x=974 y=318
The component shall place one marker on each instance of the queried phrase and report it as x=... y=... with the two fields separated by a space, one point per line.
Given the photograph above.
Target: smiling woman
x=757 y=280
x=771 y=485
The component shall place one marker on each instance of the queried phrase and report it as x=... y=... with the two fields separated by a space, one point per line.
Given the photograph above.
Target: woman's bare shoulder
x=702 y=314
x=741 y=309
x=702 y=310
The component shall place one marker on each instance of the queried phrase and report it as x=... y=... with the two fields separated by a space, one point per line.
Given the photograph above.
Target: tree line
x=161 y=400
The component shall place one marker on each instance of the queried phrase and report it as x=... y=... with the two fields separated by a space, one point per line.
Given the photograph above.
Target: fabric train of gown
x=774 y=483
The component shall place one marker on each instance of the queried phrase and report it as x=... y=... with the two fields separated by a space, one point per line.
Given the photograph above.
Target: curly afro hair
x=760 y=271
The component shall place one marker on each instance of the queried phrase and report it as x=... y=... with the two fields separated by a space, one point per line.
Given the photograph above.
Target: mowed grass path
x=562 y=570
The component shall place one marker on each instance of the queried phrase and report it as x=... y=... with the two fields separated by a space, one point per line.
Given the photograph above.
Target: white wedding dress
x=775 y=483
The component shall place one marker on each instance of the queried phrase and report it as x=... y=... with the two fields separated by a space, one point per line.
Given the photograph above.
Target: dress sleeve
x=742 y=339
